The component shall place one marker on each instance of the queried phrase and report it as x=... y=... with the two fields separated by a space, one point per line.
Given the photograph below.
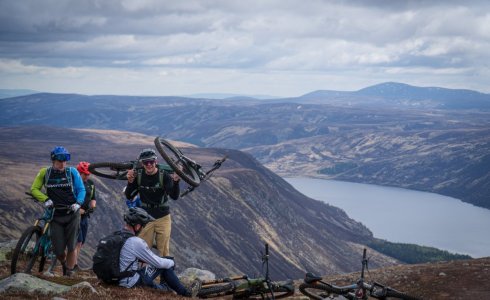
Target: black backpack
x=106 y=258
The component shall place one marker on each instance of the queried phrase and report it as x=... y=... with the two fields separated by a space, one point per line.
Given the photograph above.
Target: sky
x=282 y=48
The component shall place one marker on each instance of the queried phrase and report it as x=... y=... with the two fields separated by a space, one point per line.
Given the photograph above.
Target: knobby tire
x=172 y=156
x=216 y=290
x=316 y=291
x=279 y=290
x=24 y=257
x=111 y=170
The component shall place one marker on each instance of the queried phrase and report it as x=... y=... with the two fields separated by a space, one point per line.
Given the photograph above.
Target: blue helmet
x=60 y=153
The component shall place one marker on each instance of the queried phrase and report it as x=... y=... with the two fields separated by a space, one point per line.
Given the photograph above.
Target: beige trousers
x=158 y=230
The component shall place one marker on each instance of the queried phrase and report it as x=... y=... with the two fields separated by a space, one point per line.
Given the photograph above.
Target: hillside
x=221 y=226
x=457 y=280
x=429 y=148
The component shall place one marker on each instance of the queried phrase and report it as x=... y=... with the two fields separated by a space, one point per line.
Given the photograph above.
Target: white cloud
x=253 y=47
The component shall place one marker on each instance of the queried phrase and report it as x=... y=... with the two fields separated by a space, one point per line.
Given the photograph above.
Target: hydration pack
x=106 y=258
x=162 y=168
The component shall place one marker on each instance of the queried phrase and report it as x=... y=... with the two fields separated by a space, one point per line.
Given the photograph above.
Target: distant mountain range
x=9 y=93
x=395 y=94
x=428 y=139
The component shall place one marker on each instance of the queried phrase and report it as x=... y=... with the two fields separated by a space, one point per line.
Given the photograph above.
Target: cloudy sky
x=252 y=47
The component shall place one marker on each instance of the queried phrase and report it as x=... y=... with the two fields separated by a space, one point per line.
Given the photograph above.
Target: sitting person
x=135 y=251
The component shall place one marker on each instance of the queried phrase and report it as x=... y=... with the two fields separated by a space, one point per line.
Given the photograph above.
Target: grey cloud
x=259 y=36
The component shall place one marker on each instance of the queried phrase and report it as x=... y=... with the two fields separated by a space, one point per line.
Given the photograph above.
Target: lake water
x=407 y=216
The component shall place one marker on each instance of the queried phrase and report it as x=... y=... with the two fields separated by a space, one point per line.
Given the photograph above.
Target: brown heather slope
x=209 y=212
x=221 y=226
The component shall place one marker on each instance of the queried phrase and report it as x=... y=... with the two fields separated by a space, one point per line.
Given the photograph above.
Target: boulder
x=190 y=274
x=6 y=249
x=25 y=283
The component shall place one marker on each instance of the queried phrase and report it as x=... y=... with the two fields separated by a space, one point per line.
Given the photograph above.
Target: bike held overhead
x=154 y=186
x=154 y=183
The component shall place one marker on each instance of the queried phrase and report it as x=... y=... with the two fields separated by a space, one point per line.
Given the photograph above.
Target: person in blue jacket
x=66 y=193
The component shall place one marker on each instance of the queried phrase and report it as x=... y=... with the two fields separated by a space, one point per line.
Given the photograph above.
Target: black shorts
x=64 y=232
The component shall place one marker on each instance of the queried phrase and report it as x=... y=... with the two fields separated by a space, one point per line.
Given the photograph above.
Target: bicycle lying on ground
x=189 y=170
x=34 y=247
x=243 y=287
x=315 y=288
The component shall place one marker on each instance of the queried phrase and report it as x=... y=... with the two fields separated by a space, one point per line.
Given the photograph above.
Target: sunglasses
x=62 y=157
x=149 y=162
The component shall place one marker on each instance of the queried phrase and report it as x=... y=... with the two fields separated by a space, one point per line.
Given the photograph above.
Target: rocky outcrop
x=28 y=284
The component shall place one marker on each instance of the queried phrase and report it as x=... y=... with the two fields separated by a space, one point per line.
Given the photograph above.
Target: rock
x=442 y=274
x=84 y=286
x=6 y=248
x=25 y=283
x=190 y=274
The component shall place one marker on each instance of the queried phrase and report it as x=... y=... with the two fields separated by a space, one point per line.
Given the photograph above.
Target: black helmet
x=147 y=154
x=136 y=215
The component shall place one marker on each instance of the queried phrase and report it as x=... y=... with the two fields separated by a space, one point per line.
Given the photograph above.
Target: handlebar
x=56 y=207
x=217 y=164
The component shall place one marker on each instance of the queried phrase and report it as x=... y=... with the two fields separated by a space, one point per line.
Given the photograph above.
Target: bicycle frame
x=244 y=287
x=359 y=290
x=203 y=176
x=45 y=221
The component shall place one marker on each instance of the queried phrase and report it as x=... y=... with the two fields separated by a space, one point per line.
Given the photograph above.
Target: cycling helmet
x=147 y=154
x=136 y=215
x=60 y=153
x=82 y=167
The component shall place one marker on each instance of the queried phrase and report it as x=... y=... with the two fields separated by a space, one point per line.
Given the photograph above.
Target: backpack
x=90 y=193
x=68 y=173
x=162 y=168
x=106 y=258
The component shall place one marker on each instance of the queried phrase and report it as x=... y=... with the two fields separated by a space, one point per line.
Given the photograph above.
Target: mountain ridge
x=397 y=94
x=379 y=145
x=221 y=226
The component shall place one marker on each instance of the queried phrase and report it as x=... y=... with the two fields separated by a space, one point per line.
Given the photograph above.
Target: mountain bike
x=243 y=287
x=35 y=243
x=315 y=288
x=189 y=170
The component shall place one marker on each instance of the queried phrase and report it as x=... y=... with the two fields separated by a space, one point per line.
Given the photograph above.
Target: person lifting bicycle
x=64 y=188
x=154 y=185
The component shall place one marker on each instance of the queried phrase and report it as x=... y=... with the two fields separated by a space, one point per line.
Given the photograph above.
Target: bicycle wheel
x=177 y=162
x=111 y=170
x=26 y=251
x=216 y=290
x=317 y=290
x=280 y=290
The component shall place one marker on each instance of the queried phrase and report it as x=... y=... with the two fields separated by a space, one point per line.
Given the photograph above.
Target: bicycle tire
x=317 y=291
x=280 y=290
x=24 y=257
x=172 y=156
x=216 y=290
x=114 y=170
